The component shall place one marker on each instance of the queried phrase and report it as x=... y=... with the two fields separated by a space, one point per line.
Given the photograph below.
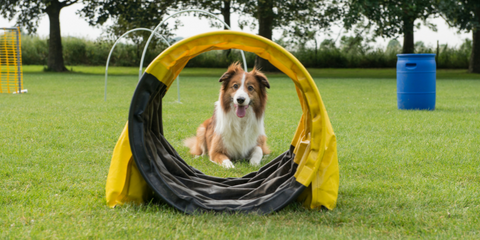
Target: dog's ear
x=232 y=69
x=261 y=78
x=225 y=77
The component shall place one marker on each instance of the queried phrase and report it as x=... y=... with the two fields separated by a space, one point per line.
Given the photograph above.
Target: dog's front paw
x=255 y=161
x=256 y=156
x=227 y=164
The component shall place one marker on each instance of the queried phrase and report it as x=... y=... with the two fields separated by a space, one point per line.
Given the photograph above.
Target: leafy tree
x=298 y=18
x=28 y=13
x=223 y=7
x=465 y=15
x=392 y=17
x=354 y=44
x=327 y=44
x=130 y=14
x=393 y=47
x=262 y=10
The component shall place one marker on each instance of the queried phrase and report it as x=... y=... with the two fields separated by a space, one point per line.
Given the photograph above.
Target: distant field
x=315 y=72
x=403 y=174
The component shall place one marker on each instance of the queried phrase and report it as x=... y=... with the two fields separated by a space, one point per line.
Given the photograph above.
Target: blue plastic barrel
x=416 y=81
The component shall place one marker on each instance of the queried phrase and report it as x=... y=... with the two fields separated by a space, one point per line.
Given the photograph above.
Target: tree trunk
x=265 y=29
x=226 y=18
x=55 y=51
x=408 y=41
x=474 y=65
x=226 y=13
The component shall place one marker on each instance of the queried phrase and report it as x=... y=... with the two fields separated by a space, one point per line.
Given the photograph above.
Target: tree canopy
x=299 y=20
x=391 y=17
x=299 y=17
x=128 y=14
x=465 y=15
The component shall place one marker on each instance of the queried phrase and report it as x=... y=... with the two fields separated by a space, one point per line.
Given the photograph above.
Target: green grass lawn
x=403 y=174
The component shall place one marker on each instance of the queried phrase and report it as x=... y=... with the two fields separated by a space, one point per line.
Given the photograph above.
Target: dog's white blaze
x=241 y=93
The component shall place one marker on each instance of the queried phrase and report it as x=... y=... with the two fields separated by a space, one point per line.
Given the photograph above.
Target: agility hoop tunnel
x=145 y=166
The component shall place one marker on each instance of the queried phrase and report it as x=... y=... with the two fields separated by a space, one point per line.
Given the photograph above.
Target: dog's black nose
x=240 y=100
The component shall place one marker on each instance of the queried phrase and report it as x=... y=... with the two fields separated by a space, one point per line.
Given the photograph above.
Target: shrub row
x=85 y=52
x=78 y=51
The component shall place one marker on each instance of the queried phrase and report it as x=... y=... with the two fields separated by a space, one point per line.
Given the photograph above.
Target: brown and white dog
x=236 y=130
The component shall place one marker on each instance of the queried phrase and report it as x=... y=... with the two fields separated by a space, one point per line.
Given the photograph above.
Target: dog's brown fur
x=207 y=140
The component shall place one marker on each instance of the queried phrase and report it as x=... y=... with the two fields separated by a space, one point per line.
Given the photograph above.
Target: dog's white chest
x=239 y=135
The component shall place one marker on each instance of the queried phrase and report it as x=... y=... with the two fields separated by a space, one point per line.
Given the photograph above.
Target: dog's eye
x=250 y=88
x=235 y=86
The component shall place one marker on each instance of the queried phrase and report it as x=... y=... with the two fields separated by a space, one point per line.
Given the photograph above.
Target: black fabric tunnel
x=173 y=181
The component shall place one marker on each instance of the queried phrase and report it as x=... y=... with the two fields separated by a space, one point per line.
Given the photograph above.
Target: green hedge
x=358 y=56
x=79 y=51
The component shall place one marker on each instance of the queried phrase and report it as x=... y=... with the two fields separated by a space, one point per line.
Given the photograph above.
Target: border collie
x=236 y=130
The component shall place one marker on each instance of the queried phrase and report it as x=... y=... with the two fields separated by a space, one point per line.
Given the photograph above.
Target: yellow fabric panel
x=323 y=190
x=124 y=181
x=315 y=140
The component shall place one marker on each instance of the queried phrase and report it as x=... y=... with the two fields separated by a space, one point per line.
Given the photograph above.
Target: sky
x=72 y=25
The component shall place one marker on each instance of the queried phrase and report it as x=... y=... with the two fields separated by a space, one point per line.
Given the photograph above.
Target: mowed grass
x=403 y=174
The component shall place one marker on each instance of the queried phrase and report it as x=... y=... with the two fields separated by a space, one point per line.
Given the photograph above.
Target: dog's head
x=242 y=90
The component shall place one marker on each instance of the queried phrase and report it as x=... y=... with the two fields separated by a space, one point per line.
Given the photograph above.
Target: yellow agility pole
x=11 y=74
